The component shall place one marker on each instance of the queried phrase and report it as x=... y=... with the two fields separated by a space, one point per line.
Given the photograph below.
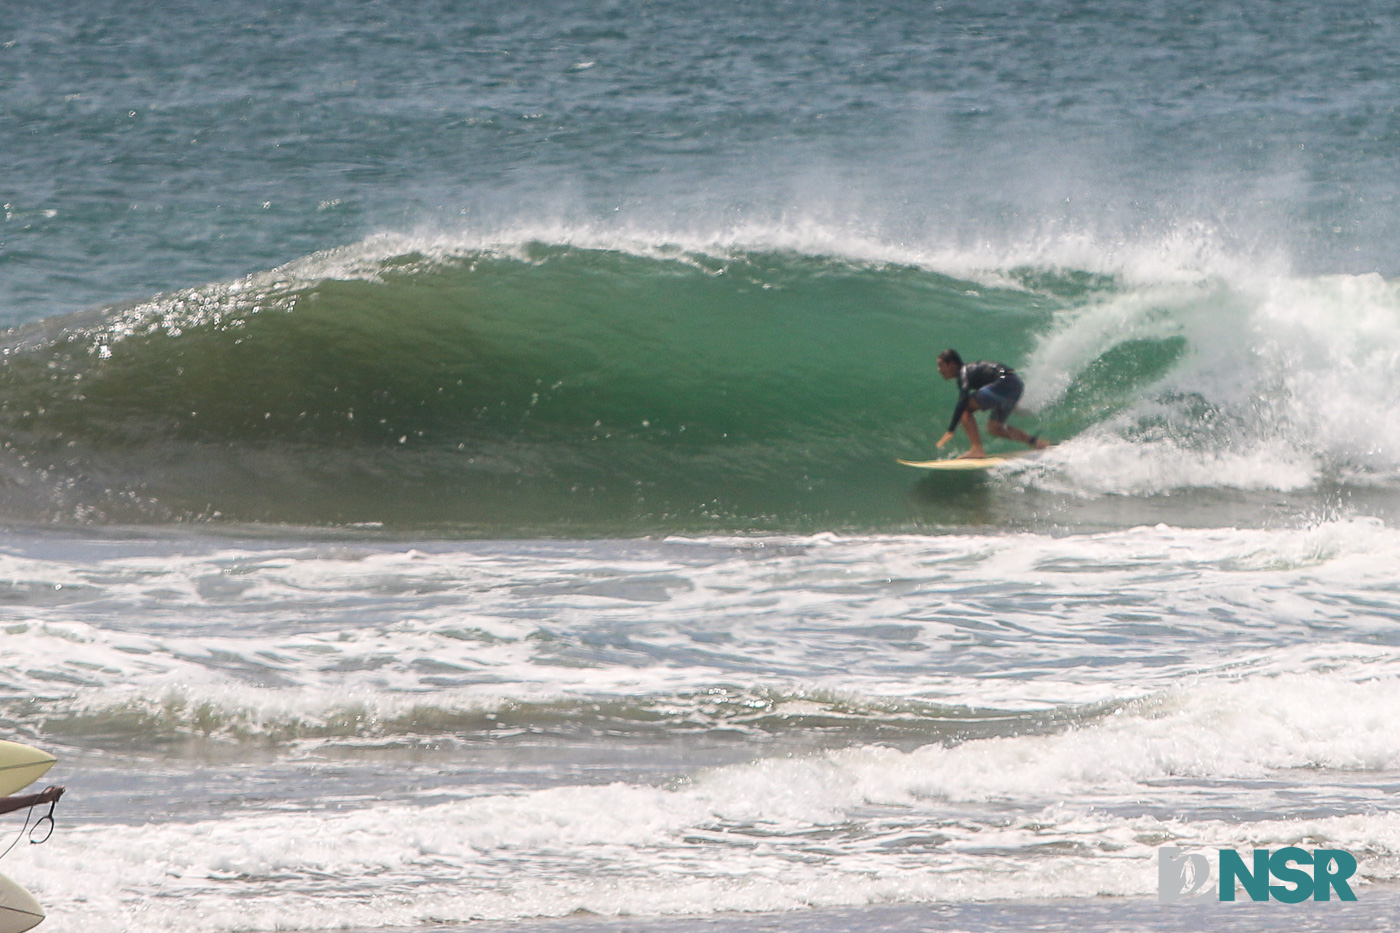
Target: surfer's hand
x=944 y=439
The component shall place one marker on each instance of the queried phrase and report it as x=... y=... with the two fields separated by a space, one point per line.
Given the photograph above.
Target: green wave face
x=553 y=390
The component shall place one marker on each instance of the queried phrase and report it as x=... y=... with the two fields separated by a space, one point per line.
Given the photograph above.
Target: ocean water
x=447 y=461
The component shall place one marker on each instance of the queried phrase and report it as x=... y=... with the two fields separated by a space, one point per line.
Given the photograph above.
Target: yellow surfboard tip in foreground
x=19 y=911
x=21 y=765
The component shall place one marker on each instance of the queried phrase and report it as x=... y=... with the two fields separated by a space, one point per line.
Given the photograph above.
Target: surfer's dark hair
x=950 y=356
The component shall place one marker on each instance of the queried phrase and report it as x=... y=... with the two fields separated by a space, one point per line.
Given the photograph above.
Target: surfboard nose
x=21 y=765
x=19 y=911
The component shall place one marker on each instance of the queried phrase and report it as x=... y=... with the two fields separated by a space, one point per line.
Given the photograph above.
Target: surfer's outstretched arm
x=47 y=795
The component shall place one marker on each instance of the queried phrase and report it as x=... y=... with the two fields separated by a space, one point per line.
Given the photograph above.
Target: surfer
x=984 y=386
x=47 y=795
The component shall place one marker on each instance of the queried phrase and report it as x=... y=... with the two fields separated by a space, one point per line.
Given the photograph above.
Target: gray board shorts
x=1000 y=397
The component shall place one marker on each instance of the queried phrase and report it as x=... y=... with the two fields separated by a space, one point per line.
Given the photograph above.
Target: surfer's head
x=949 y=363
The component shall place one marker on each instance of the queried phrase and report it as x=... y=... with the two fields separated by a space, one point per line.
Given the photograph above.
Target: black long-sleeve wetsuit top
x=972 y=377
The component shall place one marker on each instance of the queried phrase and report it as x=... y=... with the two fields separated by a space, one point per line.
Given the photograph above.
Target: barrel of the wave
x=20 y=766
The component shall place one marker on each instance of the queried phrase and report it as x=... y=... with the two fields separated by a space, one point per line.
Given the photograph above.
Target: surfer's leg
x=1002 y=398
x=1002 y=429
x=974 y=437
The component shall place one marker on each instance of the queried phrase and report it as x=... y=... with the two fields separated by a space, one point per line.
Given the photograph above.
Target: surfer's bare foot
x=1039 y=443
x=972 y=455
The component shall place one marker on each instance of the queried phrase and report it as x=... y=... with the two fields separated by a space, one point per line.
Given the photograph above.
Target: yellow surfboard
x=964 y=463
x=21 y=765
x=18 y=909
